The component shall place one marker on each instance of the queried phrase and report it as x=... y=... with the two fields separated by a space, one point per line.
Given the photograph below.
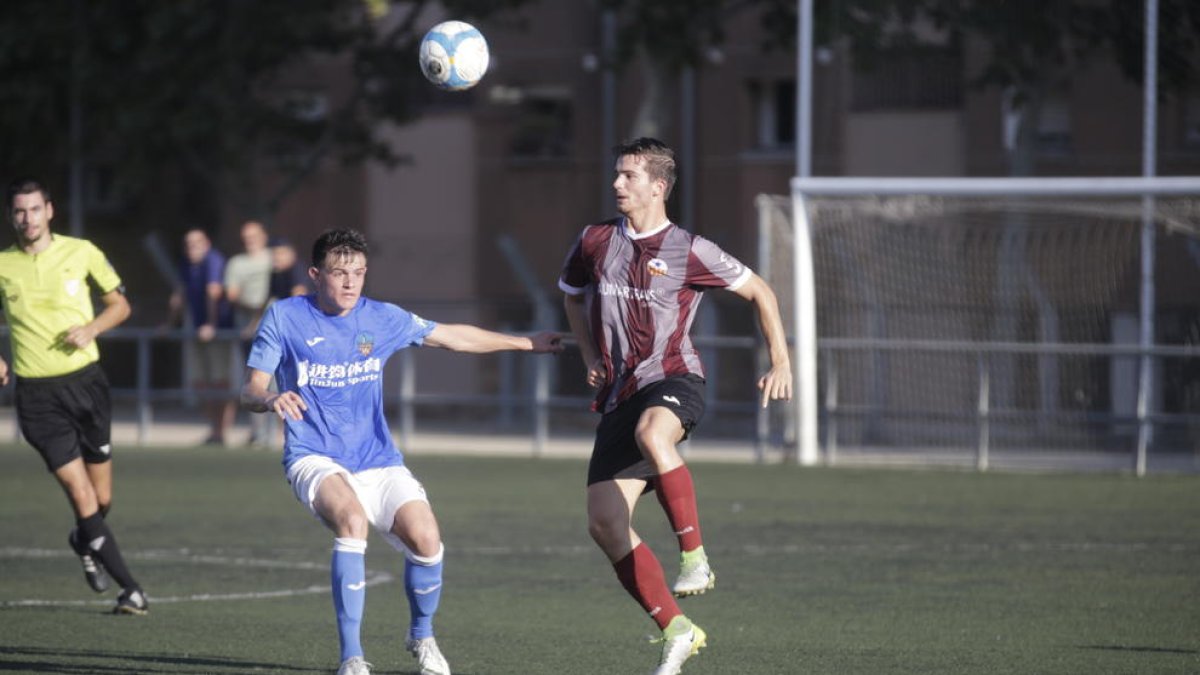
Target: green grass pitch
x=819 y=571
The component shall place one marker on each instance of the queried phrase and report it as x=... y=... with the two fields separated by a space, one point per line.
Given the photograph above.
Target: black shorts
x=67 y=416
x=616 y=453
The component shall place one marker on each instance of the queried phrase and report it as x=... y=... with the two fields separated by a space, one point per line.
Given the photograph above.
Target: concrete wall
x=925 y=143
x=421 y=218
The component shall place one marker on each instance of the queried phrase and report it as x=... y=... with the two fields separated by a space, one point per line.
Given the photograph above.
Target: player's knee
x=426 y=543
x=83 y=499
x=606 y=527
x=352 y=523
x=658 y=449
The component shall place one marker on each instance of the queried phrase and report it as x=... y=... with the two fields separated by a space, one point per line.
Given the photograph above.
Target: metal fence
x=530 y=393
x=1115 y=435
x=529 y=389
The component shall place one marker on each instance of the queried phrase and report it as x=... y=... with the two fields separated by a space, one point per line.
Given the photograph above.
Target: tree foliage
x=1031 y=47
x=214 y=90
x=665 y=37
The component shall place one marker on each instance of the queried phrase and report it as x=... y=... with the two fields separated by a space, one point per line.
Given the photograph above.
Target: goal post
x=1000 y=260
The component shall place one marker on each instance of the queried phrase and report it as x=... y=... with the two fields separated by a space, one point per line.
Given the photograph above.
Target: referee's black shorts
x=616 y=453
x=67 y=416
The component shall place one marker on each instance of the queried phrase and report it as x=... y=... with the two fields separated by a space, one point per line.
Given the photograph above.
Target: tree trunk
x=654 y=115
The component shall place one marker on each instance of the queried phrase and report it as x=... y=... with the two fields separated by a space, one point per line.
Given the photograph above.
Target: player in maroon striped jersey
x=632 y=287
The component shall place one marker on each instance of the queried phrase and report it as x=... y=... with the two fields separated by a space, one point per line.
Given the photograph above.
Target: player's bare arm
x=3 y=372
x=116 y=311
x=776 y=384
x=573 y=306
x=212 y=293
x=475 y=340
x=257 y=397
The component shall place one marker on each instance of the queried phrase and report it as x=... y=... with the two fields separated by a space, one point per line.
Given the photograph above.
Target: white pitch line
x=373 y=579
x=183 y=555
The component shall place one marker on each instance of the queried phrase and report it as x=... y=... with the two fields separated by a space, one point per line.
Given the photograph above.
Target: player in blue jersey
x=326 y=352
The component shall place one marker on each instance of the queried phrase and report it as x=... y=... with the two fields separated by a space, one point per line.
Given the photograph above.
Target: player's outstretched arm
x=460 y=337
x=776 y=384
x=257 y=397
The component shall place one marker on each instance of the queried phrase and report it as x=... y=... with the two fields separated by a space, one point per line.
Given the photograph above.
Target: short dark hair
x=339 y=242
x=659 y=158
x=26 y=186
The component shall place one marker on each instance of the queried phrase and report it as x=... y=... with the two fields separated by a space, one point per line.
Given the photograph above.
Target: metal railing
x=539 y=399
x=985 y=412
x=538 y=395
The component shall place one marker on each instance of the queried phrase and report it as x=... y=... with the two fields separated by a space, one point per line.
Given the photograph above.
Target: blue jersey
x=335 y=363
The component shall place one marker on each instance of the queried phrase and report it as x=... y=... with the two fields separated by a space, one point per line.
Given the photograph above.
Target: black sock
x=94 y=533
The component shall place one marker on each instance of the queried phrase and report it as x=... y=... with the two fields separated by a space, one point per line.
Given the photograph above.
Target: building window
x=1191 y=121
x=1053 y=135
x=100 y=191
x=775 y=113
x=917 y=78
x=544 y=120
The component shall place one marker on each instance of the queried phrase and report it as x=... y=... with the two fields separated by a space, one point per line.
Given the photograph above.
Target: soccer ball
x=454 y=55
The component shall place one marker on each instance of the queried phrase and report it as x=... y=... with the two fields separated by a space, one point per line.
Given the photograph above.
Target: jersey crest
x=365 y=343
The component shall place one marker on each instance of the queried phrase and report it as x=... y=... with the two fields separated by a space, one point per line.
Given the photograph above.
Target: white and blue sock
x=349 y=583
x=423 y=586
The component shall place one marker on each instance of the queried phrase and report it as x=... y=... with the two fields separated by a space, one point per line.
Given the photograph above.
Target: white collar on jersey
x=650 y=233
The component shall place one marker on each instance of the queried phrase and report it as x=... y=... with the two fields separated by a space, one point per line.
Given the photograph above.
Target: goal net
x=970 y=319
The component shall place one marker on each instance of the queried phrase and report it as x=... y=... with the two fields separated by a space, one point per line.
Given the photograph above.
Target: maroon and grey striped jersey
x=642 y=293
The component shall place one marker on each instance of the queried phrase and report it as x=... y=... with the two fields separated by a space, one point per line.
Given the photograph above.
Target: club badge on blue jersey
x=365 y=343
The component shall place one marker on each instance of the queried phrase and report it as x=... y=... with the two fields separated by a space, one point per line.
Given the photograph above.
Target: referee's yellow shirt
x=47 y=293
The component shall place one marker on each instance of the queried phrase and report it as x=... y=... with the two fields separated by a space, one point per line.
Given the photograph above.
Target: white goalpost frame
x=805 y=318
x=805 y=348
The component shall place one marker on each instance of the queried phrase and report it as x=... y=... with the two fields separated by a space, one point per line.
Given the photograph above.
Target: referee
x=62 y=396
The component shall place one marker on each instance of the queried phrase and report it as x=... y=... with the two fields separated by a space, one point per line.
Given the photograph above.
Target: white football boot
x=694 y=578
x=429 y=657
x=355 y=665
x=679 y=649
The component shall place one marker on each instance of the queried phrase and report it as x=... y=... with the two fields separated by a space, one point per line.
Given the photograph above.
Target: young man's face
x=339 y=282
x=283 y=257
x=30 y=214
x=633 y=187
x=195 y=246
x=254 y=237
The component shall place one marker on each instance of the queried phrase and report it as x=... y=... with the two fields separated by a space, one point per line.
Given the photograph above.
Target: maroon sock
x=642 y=576
x=678 y=498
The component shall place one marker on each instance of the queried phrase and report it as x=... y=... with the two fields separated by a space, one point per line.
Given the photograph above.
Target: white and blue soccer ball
x=454 y=55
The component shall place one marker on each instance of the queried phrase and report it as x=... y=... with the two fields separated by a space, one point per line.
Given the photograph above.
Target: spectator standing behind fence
x=62 y=398
x=201 y=300
x=288 y=275
x=248 y=279
x=247 y=286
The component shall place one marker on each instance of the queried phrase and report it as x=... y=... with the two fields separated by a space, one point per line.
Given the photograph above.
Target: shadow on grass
x=1148 y=650
x=42 y=660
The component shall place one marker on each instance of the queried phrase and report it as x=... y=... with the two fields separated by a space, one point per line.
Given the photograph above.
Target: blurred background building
x=152 y=117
